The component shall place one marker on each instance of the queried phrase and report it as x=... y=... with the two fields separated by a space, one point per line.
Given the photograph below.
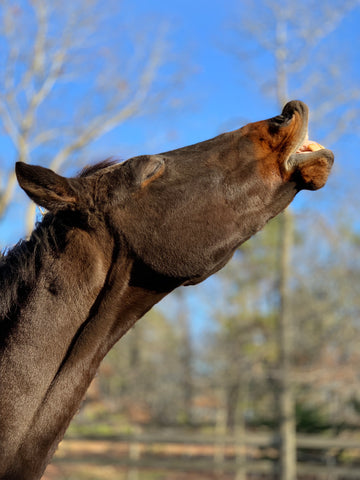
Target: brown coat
x=116 y=240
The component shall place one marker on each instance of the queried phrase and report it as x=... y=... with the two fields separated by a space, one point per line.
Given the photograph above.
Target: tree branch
x=106 y=122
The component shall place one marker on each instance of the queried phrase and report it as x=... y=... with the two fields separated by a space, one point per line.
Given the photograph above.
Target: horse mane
x=95 y=168
x=20 y=265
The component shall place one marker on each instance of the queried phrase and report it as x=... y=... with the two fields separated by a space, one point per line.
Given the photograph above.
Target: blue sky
x=219 y=91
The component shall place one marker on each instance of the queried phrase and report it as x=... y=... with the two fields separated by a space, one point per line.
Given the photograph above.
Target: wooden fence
x=251 y=453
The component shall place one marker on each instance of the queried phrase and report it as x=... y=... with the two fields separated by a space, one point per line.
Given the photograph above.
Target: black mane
x=19 y=268
x=91 y=169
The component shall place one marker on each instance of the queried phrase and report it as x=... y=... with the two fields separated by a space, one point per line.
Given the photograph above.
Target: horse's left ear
x=45 y=187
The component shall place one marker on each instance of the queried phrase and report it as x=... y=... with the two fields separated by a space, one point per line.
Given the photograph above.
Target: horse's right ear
x=45 y=187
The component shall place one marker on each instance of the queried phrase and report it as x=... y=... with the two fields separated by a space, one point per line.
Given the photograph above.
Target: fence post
x=134 y=456
x=240 y=450
x=220 y=431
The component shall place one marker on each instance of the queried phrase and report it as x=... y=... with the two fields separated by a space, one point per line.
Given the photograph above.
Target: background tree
x=147 y=372
x=290 y=35
x=70 y=74
x=242 y=346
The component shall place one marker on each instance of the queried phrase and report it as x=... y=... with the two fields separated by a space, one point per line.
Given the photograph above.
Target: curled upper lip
x=288 y=112
x=295 y=157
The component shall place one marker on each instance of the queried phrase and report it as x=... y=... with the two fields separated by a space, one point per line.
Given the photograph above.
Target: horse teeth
x=315 y=147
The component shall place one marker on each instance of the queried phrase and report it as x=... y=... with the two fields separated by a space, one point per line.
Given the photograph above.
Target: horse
x=115 y=240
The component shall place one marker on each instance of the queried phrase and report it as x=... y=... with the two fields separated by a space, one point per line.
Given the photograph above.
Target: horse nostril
x=295 y=105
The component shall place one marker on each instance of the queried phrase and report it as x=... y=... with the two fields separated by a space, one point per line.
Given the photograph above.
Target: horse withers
x=116 y=240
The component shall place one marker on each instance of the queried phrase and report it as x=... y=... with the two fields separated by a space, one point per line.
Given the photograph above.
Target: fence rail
x=227 y=453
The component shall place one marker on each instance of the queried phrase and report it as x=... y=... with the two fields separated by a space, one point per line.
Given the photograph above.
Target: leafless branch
x=105 y=122
x=38 y=57
x=47 y=63
x=10 y=126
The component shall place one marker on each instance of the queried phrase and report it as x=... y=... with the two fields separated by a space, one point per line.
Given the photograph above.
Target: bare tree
x=186 y=356
x=291 y=34
x=72 y=72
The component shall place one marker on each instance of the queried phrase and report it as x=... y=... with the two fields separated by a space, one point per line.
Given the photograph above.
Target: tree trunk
x=286 y=403
x=232 y=400
x=186 y=360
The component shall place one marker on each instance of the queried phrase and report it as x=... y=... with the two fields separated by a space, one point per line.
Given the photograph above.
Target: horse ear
x=45 y=187
x=147 y=168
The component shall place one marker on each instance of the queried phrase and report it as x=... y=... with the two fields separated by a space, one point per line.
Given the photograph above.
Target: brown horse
x=116 y=240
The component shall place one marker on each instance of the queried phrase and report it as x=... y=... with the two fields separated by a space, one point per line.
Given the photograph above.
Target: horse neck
x=70 y=319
